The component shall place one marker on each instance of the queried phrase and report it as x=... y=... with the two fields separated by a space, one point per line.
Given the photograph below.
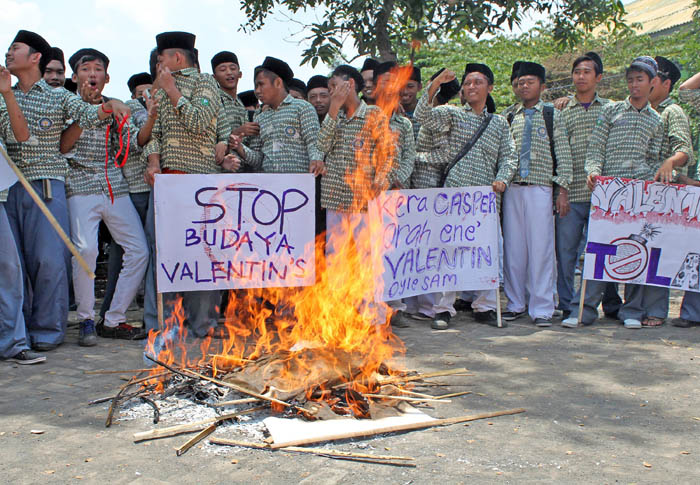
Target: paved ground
x=604 y=405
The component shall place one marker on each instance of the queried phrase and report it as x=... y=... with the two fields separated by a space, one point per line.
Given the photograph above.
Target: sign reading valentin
x=432 y=240
x=234 y=231
x=644 y=232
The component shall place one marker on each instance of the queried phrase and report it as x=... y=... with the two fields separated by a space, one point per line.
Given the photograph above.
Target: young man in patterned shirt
x=491 y=161
x=528 y=225
x=319 y=96
x=94 y=196
x=367 y=73
x=190 y=135
x=143 y=115
x=676 y=153
x=227 y=72
x=45 y=258
x=625 y=142
x=14 y=342
x=288 y=129
x=514 y=85
x=409 y=98
x=689 y=92
x=297 y=89
x=580 y=116
x=55 y=71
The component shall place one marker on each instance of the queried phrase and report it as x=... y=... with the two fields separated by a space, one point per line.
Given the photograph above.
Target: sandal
x=652 y=322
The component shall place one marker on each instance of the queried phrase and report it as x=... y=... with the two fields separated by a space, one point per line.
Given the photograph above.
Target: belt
x=522 y=183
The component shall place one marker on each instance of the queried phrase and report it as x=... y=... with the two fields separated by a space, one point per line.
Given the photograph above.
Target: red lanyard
x=120 y=129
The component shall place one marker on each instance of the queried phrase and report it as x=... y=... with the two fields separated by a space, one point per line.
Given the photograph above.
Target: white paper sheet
x=285 y=430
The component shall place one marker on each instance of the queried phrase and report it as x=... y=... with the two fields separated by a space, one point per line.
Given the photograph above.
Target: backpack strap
x=548 y=115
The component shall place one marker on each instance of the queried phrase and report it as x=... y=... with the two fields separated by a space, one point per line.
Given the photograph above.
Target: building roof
x=657 y=15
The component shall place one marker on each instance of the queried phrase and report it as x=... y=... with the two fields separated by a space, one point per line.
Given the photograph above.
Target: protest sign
x=234 y=231
x=432 y=240
x=645 y=233
x=7 y=176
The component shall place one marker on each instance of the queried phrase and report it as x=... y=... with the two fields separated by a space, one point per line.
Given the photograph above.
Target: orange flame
x=331 y=332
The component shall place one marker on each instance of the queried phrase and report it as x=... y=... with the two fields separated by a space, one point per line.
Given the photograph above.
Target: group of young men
x=93 y=159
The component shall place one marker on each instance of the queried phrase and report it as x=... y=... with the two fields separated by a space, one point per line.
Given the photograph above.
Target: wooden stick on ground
x=197 y=438
x=189 y=427
x=454 y=394
x=319 y=451
x=411 y=393
x=581 y=300
x=248 y=400
x=393 y=380
x=47 y=213
x=189 y=373
x=404 y=398
x=395 y=429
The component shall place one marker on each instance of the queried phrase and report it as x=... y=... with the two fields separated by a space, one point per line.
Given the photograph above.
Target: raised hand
x=5 y=80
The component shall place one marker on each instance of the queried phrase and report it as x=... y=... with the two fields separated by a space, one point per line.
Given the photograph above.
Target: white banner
x=433 y=240
x=234 y=231
x=7 y=176
x=644 y=232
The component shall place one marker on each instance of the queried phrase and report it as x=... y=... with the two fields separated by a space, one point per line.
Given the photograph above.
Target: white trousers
x=528 y=256
x=122 y=220
x=431 y=304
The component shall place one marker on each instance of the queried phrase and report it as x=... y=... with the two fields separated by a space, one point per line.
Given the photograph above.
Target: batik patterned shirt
x=405 y=154
x=690 y=96
x=47 y=111
x=351 y=147
x=235 y=112
x=428 y=175
x=288 y=140
x=541 y=166
x=625 y=142
x=579 y=123
x=135 y=166
x=185 y=135
x=677 y=136
x=491 y=158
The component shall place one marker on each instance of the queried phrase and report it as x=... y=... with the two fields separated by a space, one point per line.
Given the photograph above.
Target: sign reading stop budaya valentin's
x=433 y=240
x=645 y=233
x=234 y=231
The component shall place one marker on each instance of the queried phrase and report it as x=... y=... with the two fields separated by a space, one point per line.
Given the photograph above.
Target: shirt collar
x=628 y=105
x=360 y=112
x=188 y=71
x=537 y=107
x=666 y=103
x=467 y=107
x=41 y=85
x=596 y=99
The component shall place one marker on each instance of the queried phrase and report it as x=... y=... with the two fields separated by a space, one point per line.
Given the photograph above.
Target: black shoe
x=87 y=335
x=123 y=331
x=441 y=321
x=27 y=357
x=565 y=314
x=543 y=322
x=489 y=317
x=462 y=305
x=397 y=320
x=43 y=347
x=510 y=316
x=683 y=323
x=613 y=315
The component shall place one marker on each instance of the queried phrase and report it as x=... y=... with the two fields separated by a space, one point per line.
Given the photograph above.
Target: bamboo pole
x=395 y=429
x=189 y=427
x=47 y=213
x=318 y=451
x=581 y=300
x=498 y=307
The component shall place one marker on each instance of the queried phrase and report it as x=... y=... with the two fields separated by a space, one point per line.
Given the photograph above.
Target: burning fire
x=307 y=341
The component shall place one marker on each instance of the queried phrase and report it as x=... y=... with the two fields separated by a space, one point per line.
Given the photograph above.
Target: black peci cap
x=248 y=98
x=278 y=67
x=476 y=67
x=383 y=68
x=175 y=40
x=221 y=57
x=317 y=81
x=57 y=55
x=532 y=69
x=297 y=85
x=668 y=69
x=138 y=80
x=35 y=41
x=447 y=90
x=369 y=65
x=94 y=53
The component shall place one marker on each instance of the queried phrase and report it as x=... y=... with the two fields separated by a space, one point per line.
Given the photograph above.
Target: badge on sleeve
x=290 y=131
x=205 y=102
x=358 y=144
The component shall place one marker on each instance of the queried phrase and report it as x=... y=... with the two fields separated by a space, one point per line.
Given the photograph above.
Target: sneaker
x=510 y=316
x=683 y=323
x=632 y=323
x=489 y=317
x=462 y=305
x=543 y=322
x=420 y=316
x=43 y=347
x=441 y=321
x=87 y=336
x=27 y=357
x=123 y=331
x=571 y=322
x=557 y=313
